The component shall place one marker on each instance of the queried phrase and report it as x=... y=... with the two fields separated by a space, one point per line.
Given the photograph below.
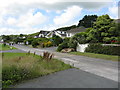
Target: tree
x=87 y=21
x=103 y=29
x=35 y=43
x=56 y=40
x=80 y=37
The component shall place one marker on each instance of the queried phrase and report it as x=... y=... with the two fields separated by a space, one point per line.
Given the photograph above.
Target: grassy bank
x=6 y=47
x=100 y=56
x=21 y=66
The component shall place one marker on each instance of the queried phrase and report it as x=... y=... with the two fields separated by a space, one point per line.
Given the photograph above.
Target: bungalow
x=62 y=34
x=72 y=32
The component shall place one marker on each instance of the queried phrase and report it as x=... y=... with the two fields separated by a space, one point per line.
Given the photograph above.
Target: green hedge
x=100 y=49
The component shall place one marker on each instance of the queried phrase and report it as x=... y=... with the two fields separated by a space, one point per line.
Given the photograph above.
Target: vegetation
x=87 y=21
x=100 y=49
x=4 y=47
x=64 y=44
x=100 y=56
x=22 y=66
x=104 y=30
x=35 y=43
x=56 y=40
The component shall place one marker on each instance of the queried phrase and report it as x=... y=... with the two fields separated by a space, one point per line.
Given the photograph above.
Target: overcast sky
x=30 y=16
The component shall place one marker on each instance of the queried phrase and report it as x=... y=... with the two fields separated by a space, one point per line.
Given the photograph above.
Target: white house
x=62 y=34
x=72 y=32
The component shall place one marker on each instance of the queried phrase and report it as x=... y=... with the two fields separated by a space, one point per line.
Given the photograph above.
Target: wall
x=81 y=47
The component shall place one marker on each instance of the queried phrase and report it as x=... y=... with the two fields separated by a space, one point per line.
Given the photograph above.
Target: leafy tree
x=103 y=29
x=56 y=40
x=35 y=43
x=87 y=21
x=80 y=37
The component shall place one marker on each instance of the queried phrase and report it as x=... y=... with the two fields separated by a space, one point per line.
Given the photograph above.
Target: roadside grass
x=7 y=47
x=100 y=56
x=17 y=67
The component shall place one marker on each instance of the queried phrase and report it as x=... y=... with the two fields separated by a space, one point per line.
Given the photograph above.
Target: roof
x=44 y=32
x=117 y=20
x=76 y=30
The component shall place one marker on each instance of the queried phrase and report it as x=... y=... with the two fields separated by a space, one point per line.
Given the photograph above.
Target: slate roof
x=44 y=32
x=76 y=30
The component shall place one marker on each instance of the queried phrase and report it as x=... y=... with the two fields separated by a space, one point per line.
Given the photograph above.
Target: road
x=103 y=68
x=71 y=78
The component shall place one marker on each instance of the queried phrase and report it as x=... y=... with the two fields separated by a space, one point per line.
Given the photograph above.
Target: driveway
x=104 y=68
x=71 y=78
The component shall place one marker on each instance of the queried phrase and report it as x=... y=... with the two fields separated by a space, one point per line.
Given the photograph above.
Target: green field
x=21 y=66
x=7 y=47
x=100 y=56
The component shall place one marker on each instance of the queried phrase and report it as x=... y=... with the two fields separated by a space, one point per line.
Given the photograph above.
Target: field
x=17 y=67
x=6 y=47
x=100 y=56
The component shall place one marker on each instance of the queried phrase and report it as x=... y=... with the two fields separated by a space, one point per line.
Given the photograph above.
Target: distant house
x=72 y=32
x=117 y=20
x=23 y=37
x=43 y=33
x=62 y=34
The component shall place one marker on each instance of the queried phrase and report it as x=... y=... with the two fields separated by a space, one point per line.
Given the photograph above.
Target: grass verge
x=100 y=56
x=17 y=67
x=6 y=47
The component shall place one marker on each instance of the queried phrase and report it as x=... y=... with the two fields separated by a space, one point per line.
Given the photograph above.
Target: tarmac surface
x=71 y=78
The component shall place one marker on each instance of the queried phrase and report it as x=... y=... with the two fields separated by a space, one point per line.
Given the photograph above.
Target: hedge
x=100 y=49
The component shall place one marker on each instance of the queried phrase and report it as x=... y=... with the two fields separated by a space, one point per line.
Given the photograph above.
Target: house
x=43 y=33
x=23 y=37
x=62 y=34
x=72 y=32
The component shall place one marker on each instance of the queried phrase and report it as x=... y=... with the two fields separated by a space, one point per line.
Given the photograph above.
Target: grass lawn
x=100 y=56
x=7 y=47
x=17 y=67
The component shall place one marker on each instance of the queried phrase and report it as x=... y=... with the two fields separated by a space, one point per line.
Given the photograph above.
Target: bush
x=100 y=49
x=72 y=43
x=35 y=43
x=57 y=40
x=48 y=44
x=62 y=46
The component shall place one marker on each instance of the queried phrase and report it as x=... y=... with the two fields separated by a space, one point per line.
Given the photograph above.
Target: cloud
x=11 y=21
x=113 y=11
x=68 y=15
x=29 y=20
x=17 y=16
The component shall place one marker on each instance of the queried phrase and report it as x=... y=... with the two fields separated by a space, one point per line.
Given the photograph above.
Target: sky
x=30 y=16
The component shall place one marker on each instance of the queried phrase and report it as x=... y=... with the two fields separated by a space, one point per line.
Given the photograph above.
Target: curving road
x=102 y=72
x=104 y=68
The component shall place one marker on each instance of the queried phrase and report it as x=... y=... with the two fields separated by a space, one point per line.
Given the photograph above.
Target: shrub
x=72 y=43
x=48 y=44
x=56 y=40
x=62 y=46
x=35 y=43
x=100 y=49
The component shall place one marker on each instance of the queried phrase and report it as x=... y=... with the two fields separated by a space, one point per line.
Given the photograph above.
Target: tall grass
x=21 y=66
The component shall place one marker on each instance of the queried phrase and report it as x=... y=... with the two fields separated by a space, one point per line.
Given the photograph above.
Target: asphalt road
x=71 y=78
x=104 y=68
